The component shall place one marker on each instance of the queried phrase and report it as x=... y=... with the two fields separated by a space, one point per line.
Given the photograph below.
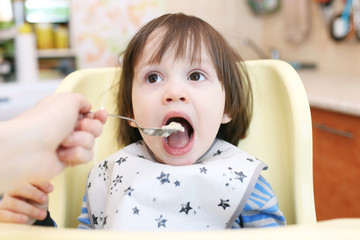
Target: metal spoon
x=164 y=131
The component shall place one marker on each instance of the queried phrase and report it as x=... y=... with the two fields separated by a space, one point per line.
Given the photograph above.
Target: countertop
x=18 y=97
x=339 y=93
x=344 y=229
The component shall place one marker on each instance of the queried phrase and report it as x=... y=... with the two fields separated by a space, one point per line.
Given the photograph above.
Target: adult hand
x=38 y=144
x=77 y=147
x=25 y=203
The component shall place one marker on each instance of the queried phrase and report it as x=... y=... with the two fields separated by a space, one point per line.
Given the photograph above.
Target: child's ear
x=226 y=118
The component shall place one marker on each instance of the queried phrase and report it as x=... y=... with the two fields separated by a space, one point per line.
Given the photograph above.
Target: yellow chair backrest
x=280 y=134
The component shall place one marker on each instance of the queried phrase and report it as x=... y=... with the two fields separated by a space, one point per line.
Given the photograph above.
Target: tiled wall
x=102 y=28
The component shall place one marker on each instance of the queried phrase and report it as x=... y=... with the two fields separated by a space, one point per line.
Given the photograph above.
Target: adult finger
x=12 y=217
x=75 y=155
x=29 y=192
x=101 y=115
x=45 y=187
x=93 y=126
x=79 y=138
x=22 y=207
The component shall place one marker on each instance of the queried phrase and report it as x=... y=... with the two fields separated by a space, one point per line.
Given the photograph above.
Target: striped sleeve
x=261 y=209
x=84 y=216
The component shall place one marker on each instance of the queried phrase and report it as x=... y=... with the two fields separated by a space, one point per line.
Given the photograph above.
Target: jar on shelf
x=44 y=35
x=61 y=36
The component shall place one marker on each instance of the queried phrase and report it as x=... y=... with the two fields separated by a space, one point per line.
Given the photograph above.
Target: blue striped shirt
x=261 y=209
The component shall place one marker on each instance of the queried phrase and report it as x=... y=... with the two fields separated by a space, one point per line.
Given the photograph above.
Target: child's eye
x=196 y=76
x=153 y=78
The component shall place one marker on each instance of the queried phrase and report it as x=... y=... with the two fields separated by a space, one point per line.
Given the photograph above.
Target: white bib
x=130 y=191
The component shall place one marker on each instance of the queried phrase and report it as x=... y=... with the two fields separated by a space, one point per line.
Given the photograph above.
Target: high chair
x=280 y=135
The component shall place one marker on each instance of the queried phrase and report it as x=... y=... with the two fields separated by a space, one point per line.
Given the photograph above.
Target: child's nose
x=175 y=94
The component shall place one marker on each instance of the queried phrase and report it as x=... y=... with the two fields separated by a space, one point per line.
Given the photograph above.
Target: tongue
x=179 y=139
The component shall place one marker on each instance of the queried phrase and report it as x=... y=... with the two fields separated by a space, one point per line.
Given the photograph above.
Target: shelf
x=56 y=53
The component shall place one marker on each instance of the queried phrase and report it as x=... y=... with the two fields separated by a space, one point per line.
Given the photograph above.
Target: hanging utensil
x=340 y=26
x=297 y=20
x=260 y=7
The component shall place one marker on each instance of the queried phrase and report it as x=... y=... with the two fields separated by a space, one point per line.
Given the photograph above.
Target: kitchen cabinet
x=336 y=139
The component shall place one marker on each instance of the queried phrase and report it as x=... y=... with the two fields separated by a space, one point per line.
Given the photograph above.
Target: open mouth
x=180 y=139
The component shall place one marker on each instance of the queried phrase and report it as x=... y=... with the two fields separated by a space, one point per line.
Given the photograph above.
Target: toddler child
x=178 y=68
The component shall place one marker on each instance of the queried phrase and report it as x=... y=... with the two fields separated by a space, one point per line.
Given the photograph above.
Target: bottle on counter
x=26 y=62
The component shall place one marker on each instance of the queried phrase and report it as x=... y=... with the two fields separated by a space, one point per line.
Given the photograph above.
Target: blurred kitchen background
x=41 y=41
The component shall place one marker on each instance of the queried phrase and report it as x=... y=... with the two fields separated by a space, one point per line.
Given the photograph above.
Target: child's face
x=176 y=90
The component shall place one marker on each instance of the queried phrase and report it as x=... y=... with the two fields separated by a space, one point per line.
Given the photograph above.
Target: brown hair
x=178 y=30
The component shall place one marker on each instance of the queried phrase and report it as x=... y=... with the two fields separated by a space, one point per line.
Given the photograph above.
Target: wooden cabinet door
x=336 y=164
